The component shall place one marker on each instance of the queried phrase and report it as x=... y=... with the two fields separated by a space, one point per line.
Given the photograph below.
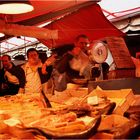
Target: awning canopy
x=45 y=11
x=88 y=20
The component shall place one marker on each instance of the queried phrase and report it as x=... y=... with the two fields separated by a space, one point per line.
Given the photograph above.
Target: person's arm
x=22 y=79
x=49 y=70
x=45 y=77
x=63 y=63
x=20 y=74
x=48 y=62
x=134 y=60
x=2 y=80
x=75 y=51
x=21 y=90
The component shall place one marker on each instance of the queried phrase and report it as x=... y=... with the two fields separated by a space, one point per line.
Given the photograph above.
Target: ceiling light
x=15 y=7
x=2 y=35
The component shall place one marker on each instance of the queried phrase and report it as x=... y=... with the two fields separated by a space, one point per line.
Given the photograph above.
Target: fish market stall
x=75 y=112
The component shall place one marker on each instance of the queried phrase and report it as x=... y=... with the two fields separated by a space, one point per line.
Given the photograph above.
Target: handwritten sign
x=120 y=52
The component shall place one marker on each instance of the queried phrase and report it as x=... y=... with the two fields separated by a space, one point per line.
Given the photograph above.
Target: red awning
x=89 y=20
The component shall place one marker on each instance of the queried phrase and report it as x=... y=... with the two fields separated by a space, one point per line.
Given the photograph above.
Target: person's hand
x=51 y=60
x=75 y=51
x=48 y=62
x=44 y=69
x=4 y=86
x=21 y=91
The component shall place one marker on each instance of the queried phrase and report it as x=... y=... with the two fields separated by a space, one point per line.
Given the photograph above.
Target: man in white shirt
x=36 y=75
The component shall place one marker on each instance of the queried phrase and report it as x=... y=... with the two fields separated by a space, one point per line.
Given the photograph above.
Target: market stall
x=92 y=111
x=73 y=114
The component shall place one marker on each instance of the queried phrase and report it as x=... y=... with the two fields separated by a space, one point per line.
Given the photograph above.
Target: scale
x=98 y=52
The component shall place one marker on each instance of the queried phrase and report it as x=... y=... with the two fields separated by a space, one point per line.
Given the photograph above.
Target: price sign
x=120 y=52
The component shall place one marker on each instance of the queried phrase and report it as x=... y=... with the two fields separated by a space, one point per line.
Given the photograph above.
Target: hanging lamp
x=15 y=6
x=2 y=34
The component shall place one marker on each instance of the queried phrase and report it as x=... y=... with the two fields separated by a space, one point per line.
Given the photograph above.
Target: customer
x=12 y=77
x=136 y=62
x=36 y=73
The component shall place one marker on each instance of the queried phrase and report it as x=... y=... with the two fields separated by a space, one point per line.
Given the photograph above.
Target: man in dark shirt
x=12 y=78
x=75 y=61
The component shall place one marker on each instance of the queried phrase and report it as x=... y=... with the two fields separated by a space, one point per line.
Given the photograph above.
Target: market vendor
x=75 y=62
x=12 y=78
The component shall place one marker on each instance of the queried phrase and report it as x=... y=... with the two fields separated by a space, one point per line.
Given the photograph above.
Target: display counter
x=115 y=84
x=74 y=113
